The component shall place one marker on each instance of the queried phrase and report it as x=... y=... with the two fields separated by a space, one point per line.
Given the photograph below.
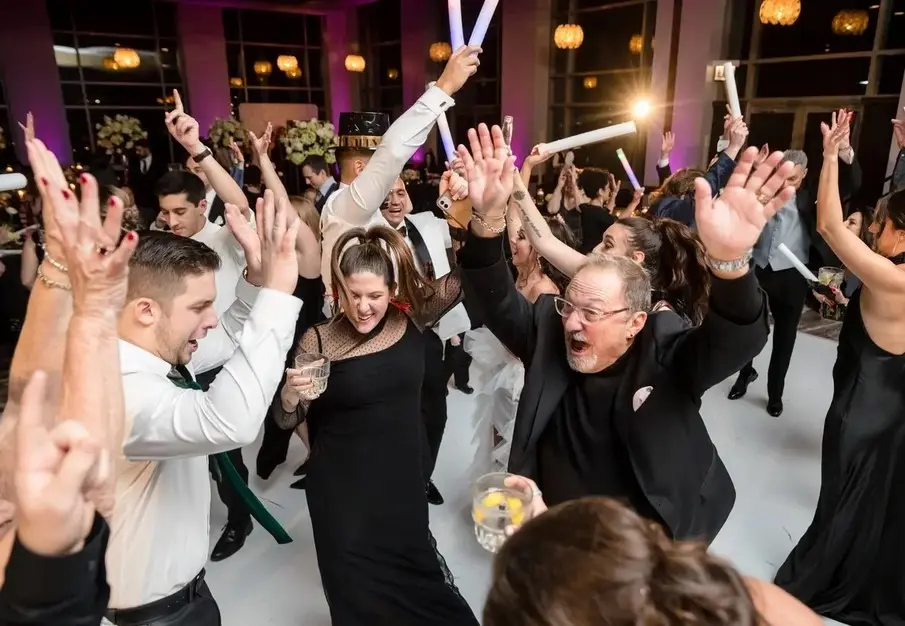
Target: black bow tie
x=402 y=230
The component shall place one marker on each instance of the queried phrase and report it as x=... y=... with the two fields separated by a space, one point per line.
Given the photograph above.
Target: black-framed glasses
x=586 y=315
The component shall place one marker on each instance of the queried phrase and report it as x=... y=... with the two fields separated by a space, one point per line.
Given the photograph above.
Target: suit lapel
x=552 y=377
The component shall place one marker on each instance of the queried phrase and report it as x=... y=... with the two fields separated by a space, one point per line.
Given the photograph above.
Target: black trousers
x=275 y=445
x=433 y=400
x=457 y=362
x=237 y=513
x=786 y=292
x=202 y=610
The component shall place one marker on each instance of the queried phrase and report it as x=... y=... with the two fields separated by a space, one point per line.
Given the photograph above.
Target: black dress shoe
x=433 y=494
x=301 y=483
x=231 y=541
x=740 y=386
x=466 y=389
x=302 y=470
x=774 y=407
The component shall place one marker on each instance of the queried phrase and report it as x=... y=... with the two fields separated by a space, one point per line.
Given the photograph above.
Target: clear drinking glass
x=317 y=366
x=832 y=277
x=496 y=507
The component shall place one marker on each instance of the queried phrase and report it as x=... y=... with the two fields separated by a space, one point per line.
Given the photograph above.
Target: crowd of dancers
x=148 y=360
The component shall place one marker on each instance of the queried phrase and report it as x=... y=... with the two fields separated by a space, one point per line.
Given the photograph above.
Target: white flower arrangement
x=2 y=139
x=119 y=133
x=410 y=175
x=315 y=136
x=223 y=131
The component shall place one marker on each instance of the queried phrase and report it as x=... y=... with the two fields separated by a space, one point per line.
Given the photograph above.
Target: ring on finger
x=764 y=198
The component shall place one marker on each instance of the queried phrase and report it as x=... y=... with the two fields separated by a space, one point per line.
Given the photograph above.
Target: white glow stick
x=594 y=136
x=794 y=260
x=456 y=36
x=732 y=90
x=628 y=169
x=483 y=23
x=446 y=137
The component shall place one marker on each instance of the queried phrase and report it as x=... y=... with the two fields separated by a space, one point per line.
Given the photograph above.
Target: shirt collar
x=323 y=189
x=134 y=359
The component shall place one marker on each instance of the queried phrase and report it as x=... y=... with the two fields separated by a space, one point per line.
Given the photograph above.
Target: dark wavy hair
x=594 y=561
x=678 y=185
x=675 y=259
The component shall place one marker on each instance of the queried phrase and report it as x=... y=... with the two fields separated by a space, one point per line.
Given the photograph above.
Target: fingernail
x=66 y=194
x=111 y=201
x=131 y=236
x=43 y=181
x=83 y=178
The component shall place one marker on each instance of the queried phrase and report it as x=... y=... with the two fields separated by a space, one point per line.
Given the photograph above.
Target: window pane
x=391 y=97
x=231 y=24
x=558 y=123
x=169 y=61
x=837 y=77
x=135 y=17
x=558 y=91
x=58 y=11
x=813 y=32
x=234 y=60
x=124 y=95
x=268 y=27
x=388 y=58
x=607 y=37
x=66 y=56
x=98 y=60
x=79 y=135
x=314 y=27
x=895 y=34
x=166 y=18
x=774 y=128
x=891 y=71
x=237 y=96
x=381 y=21
x=287 y=96
x=315 y=68
x=72 y=94
x=486 y=93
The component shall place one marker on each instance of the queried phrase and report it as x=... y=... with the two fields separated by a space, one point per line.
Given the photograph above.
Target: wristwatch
x=743 y=262
x=198 y=158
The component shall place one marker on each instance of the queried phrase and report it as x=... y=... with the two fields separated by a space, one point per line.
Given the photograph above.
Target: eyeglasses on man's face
x=587 y=315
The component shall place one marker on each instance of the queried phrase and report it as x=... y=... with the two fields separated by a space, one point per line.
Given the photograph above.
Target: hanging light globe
x=590 y=82
x=263 y=68
x=392 y=73
x=294 y=73
x=127 y=58
x=568 y=36
x=635 y=44
x=110 y=64
x=287 y=63
x=237 y=82
x=355 y=63
x=440 y=52
x=780 y=12
x=851 y=22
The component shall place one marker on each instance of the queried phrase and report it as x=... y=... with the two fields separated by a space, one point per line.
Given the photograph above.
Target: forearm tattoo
x=519 y=195
x=527 y=220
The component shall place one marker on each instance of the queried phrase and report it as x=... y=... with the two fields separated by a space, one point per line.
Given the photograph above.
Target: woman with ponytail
x=377 y=558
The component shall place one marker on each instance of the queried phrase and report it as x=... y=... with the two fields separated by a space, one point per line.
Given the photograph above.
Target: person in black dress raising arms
x=378 y=561
x=848 y=565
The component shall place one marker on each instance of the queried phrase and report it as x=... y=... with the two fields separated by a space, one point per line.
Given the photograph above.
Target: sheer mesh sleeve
x=447 y=293
x=289 y=420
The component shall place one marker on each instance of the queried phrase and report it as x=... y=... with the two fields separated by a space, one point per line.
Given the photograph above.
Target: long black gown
x=378 y=560
x=848 y=566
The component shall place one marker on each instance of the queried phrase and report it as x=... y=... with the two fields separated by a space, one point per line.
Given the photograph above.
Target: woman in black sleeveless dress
x=378 y=561
x=848 y=565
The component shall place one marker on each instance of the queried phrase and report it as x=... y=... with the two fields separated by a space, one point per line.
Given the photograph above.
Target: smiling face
x=397 y=204
x=523 y=254
x=370 y=299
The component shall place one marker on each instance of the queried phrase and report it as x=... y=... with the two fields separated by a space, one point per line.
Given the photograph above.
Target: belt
x=158 y=609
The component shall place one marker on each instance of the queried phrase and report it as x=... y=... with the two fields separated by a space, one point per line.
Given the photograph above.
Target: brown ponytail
x=383 y=252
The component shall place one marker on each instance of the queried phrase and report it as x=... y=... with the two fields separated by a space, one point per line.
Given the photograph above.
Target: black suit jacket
x=672 y=456
x=57 y=591
x=319 y=204
x=143 y=185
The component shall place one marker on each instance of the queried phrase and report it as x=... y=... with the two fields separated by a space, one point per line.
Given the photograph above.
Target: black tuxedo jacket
x=319 y=204
x=672 y=455
x=143 y=185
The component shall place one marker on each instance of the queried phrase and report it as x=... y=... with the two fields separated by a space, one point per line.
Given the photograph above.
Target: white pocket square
x=640 y=396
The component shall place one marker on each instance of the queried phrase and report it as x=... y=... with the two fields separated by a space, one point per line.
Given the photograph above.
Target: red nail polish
x=83 y=179
x=43 y=181
x=66 y=194
x=111 y=201
x=130 y=236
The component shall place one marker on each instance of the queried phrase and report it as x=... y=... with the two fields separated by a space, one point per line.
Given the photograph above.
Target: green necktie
x=225 y=470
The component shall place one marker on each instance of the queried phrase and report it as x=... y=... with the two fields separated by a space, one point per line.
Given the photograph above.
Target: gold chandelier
x=568 y=36
x=263 y=68
x=440 y=52
x=287 y=63
x=590 y=82
x=851 y=22
x=635 y=44
x=126 y=58
x=780 y=12
x=355 y=63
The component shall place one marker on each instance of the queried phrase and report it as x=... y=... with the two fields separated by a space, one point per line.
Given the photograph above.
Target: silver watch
x=743 y=262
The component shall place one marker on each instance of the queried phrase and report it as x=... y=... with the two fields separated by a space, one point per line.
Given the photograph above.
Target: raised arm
x=875 y=271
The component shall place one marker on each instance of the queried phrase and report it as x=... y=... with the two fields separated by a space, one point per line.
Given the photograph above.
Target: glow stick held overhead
x=735 y=108
x=483 y=23
x=446 y=137
x=593 y=136
x=628 y=169
x=456 y=34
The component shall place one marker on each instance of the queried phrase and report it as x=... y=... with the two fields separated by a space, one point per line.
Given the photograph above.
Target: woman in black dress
x=848 y=564
x=378 y=561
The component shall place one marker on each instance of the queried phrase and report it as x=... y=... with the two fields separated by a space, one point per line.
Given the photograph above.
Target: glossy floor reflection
x=775 y=463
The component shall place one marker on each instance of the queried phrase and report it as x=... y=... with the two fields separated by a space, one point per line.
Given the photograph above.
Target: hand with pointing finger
x=183 y=127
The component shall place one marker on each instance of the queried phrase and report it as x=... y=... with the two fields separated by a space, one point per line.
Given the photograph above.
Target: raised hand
x=489 y=169
x=261 y=145
x=183 y=127
x=738 y=133
x=898 y=129
x=54 y=471
x=537 y=157
x=29 y=127
x=238 y=157
x=667 y=144
x=461 y=66
x=270 y=246
x=60 y=208
x=730 y=224
x=454 y=184
x=836 y=135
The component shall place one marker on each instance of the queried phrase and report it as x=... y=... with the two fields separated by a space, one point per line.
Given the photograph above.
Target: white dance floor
x=775 y=463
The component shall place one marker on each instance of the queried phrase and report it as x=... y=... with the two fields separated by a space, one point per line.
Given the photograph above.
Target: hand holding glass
x=309 y=378
x=496 y=507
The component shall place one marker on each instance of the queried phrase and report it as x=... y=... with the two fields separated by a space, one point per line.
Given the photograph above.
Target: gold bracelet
x=54 y=263
x=495 y=230
x=52 y=284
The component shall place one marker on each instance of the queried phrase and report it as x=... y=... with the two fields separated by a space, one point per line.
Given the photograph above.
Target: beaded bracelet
x=54 y=263
x=52 y=284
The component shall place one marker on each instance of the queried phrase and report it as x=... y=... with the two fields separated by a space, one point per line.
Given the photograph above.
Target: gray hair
x=796 y=157
x=635 y=279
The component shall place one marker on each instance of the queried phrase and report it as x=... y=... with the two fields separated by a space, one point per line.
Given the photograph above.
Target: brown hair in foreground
x=594 y=561
x=307 y=212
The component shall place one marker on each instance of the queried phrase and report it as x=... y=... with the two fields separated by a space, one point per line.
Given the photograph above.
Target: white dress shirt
x=358 y=205
x=232 y=262
x=160 y=528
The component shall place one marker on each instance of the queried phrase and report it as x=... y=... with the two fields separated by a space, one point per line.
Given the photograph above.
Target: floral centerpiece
x=119 y=133
x=223 y=131
x=410 y=175
x=302 y=139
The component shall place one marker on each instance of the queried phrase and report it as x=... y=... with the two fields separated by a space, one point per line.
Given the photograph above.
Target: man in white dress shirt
x=317 y=175
x=169 y=331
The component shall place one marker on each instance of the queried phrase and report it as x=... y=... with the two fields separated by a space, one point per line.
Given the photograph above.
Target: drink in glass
x=831 y=277
x=496 y=507
x=317 y=367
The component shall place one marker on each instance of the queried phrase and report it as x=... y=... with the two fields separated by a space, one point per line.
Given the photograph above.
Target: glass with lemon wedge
x=496 y=507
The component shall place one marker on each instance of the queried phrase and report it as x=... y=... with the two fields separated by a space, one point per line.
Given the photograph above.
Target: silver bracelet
x=735 y=265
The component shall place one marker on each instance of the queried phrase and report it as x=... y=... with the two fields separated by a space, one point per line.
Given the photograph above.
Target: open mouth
x=578 y=347
x=193 y=344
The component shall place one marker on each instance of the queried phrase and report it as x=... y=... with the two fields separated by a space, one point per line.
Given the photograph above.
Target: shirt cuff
x=51 y=580
x=436 y=100
x=481 y=252
x=246 y=292
x=663 y=163
x=737 y=300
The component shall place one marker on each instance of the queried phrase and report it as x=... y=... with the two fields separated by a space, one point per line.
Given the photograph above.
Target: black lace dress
x=848 y=565
x=378 y=560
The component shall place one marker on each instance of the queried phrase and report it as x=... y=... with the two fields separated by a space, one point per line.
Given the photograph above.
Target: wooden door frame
x=801 y=108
